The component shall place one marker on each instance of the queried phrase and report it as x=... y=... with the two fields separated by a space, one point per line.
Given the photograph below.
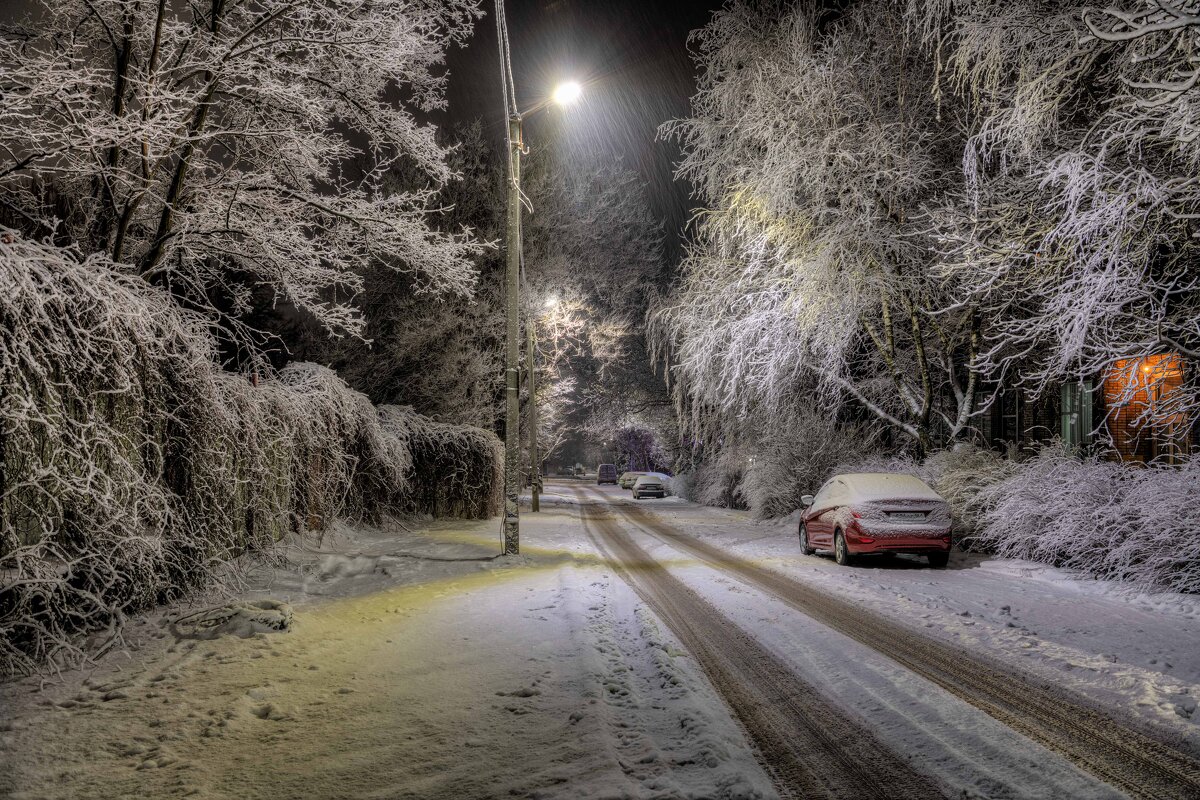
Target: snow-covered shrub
x=960 y=475
x=132 y=468
x=455 y=470
x=715 y=480
x=683 y=485
x=98 y=376
x=1106 y=519
x=795 y=461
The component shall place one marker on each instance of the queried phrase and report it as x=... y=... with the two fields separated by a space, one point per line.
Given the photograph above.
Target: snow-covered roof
x=888 y=486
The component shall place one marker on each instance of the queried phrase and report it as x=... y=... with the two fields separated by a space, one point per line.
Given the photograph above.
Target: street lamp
x=565 y=94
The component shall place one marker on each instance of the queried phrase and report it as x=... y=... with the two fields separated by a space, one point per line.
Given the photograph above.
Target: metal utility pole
x=512 y=356
x=535 y=467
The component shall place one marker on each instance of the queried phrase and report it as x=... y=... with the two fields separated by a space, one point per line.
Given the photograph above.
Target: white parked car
x=649 y=486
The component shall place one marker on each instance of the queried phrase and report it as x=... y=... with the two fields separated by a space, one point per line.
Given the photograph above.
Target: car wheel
x=938 y=560
x=804 y=548
x=841 y=554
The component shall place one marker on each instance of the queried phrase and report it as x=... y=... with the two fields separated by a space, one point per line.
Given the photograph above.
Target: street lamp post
x=535 y=472
x=564 y=95
x=512 y=355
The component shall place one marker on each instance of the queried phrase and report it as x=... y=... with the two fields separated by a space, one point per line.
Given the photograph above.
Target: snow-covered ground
x=404 y=676
x=419 y=666
x=1135 y=652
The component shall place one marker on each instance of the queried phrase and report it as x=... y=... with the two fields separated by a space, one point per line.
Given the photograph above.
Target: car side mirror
x=806 y=500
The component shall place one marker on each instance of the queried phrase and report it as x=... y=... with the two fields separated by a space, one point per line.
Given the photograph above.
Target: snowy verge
x=417 y=665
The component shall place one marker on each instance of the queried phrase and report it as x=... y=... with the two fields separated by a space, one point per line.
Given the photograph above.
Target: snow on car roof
x=888 y=485
x=649 y=477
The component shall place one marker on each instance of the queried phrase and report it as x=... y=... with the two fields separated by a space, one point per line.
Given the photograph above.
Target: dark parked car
x=876 y=513
x=606 y=473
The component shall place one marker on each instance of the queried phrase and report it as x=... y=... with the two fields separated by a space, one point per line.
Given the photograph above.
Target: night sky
x=632 y=56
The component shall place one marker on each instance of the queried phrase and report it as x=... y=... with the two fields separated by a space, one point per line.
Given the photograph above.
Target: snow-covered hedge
x=455 y=470
x=1106 y=519
x=131 y=467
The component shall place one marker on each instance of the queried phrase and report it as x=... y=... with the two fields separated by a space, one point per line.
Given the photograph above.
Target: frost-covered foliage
x=454 y=470
x=794 y=458
x=912 y=205
x=594 y=245
x=814 y=150
x=1108 y=521
x=442 y=355
x=131 y=468
x=714 y=479
x=638 y=449
x=223 y=148
x=1077 y=234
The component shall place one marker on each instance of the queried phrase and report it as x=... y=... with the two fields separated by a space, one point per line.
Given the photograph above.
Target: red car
x=876 y=513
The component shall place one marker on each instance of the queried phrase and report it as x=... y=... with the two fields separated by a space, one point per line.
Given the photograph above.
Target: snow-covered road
x=421 y=667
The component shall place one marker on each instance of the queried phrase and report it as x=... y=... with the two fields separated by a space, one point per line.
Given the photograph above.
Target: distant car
x=627 y=478
x=606 y=473
x=648 y=486
x=876 y=513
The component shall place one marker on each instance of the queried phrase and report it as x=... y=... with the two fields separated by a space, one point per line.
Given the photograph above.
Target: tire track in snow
x=809 y=747
x=1137 y=764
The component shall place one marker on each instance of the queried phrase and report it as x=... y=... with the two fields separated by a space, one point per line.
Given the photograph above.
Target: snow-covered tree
x=811 y=279
x=593 y=243
x=441 y=355
x=1078 y=230
x=217 y=147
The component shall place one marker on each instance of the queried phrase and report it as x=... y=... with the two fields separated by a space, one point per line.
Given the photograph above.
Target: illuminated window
x=1141 y=398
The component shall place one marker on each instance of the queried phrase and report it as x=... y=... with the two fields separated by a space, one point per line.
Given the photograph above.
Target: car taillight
x=856 y=514
x=866 y=540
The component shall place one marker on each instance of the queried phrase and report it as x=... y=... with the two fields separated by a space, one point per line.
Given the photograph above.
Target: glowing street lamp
x=567 y=93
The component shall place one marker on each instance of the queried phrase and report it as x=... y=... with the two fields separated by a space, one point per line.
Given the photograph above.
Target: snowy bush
x=795 y=461
x=131 y=468
x=455 y=470
x=715 y=480
x=1100 y=517
x=683 y=485
x=960 y=475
